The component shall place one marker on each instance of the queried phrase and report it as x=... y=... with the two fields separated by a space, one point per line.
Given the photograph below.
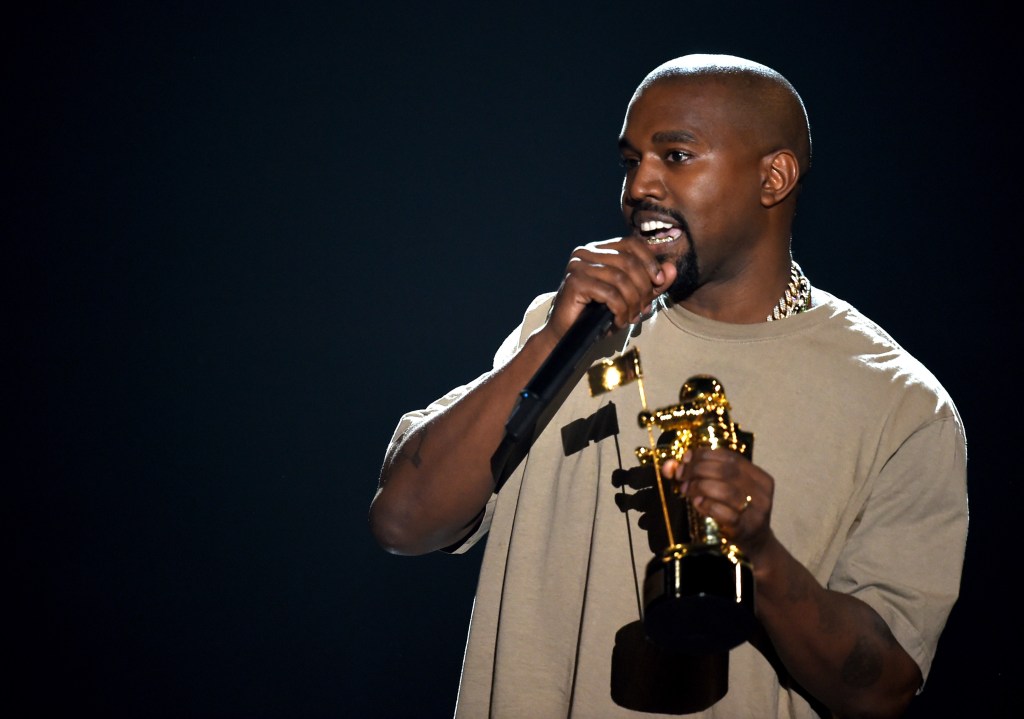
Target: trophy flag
x=609 y=374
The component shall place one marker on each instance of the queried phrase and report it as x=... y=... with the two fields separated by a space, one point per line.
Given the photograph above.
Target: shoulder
x=880 y=359
x=535 y=315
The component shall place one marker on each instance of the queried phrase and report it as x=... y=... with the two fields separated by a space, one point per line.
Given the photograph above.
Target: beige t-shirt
x=868 y=455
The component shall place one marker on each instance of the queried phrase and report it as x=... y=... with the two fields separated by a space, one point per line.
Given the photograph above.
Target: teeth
x=658 y=232
x=654 y=226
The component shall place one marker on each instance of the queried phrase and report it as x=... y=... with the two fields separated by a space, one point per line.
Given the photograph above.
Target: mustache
x=648 y=206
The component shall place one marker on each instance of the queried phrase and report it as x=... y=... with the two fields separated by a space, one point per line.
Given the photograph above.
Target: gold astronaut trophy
x=698 y=593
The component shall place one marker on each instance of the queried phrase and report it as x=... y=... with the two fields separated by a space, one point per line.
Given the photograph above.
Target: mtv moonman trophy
x=699 y=594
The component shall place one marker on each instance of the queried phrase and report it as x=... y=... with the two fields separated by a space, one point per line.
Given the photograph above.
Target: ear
x=780 y=173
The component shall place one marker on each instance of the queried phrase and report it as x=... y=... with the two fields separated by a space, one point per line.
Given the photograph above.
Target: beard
x=687 y=277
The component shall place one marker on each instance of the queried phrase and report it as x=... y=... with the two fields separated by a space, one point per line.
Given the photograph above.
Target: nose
x=644 y=181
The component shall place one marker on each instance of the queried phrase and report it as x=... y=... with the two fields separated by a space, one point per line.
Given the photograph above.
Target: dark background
x=243 y=238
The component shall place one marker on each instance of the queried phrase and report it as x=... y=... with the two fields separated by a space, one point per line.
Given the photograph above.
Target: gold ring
x=746 y=503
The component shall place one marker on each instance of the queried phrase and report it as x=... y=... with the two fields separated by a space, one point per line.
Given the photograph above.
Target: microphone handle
x=593 y=322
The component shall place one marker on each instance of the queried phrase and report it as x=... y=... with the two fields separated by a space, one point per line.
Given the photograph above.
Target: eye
x=677 y=156
x=628 y=163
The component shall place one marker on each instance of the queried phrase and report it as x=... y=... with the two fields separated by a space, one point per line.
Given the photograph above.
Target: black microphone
x=593 y=322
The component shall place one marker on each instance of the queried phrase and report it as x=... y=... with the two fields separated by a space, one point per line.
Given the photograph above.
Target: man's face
x=692 y=184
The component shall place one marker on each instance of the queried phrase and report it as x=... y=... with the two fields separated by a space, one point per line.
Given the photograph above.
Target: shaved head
x=762 y=100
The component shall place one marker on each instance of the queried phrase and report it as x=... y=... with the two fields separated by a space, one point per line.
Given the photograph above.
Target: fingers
x=621 y=273
x=716 y=485
x=725 y=486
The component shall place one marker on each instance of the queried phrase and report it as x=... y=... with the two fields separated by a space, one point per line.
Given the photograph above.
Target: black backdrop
x=243 y=238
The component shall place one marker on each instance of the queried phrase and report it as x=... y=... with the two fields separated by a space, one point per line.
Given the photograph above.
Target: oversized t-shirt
x=868 y=455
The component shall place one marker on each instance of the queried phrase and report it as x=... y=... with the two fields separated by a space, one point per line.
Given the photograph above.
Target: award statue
x=698 y=593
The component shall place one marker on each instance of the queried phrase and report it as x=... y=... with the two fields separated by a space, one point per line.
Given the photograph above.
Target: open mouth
x=659 y=232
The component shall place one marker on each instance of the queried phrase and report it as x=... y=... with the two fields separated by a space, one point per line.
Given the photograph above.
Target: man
x=852 y=510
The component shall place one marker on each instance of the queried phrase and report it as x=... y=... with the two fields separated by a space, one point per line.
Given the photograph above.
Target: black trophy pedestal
x=699 y=603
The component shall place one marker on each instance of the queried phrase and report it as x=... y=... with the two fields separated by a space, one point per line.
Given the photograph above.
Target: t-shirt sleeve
x=904 y=556
x=533 y=318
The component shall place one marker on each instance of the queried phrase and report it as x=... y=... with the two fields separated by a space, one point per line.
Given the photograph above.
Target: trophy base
x=700 y=603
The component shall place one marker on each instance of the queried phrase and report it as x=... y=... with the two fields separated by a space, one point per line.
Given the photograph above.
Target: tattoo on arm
x=863 y=667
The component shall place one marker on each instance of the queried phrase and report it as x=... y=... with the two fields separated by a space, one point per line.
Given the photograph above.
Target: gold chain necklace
x=797 y=296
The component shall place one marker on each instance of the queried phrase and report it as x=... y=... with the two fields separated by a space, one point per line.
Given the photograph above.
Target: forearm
x=834 y=645
x=437 y=477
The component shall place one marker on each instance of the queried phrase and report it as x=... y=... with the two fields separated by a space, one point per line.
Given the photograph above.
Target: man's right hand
x=622 y=273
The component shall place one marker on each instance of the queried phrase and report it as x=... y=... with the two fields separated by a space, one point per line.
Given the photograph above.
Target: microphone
x=593 y=322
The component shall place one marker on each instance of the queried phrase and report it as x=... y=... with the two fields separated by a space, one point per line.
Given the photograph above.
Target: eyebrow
x=661 y=138
x=673 y=136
